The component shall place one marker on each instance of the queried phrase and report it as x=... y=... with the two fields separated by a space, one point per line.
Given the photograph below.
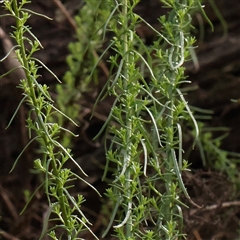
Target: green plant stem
x=23 y=53
x=40 y=120
x=128 y=122
x=47 y=141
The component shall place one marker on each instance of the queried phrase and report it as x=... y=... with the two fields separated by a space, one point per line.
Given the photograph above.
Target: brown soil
x=217 y=79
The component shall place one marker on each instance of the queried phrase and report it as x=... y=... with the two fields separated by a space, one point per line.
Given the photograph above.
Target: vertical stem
x=127 y=156
x=39 y=119
x=168 y=163
x=20 y=40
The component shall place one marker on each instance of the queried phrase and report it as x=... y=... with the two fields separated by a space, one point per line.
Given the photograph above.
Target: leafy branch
x=63 y=208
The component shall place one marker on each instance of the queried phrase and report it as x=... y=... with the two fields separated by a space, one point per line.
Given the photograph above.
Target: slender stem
x=22 y=51
x=46 y=138
x=127 y=156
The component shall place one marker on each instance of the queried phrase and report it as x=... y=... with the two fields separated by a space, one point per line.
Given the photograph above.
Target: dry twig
x=215 y=206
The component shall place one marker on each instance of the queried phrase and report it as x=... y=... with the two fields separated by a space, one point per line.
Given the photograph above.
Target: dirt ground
x=217 y=81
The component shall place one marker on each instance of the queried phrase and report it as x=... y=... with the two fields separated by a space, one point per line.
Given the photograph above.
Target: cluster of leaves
x=64 y=209
x=144 y=123
x=82 y=61
x=147 y=116
x=215 y=157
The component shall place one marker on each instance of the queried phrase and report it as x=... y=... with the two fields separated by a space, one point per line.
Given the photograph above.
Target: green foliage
x=82 y=74
x=215 y=157
x=147 y=117
x=64 y=209
x=145 y=122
